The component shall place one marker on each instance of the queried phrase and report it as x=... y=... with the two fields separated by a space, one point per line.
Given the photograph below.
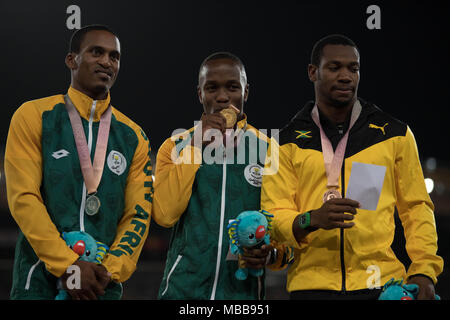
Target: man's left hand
x=426 y=287
x=103 y=276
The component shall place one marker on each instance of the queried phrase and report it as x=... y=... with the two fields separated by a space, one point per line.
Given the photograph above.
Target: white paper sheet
x=365 y=184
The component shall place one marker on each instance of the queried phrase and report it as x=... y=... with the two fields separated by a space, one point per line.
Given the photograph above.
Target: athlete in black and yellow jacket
x=341 y=250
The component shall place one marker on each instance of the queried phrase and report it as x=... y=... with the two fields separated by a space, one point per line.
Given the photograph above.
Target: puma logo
x=374 y=126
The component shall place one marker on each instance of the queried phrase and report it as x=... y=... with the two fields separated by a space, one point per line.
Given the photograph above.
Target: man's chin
x=102 y=88
x=342 y=102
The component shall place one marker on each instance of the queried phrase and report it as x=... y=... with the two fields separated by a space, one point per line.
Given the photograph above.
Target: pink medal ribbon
x=92 y=173
x=333 y=159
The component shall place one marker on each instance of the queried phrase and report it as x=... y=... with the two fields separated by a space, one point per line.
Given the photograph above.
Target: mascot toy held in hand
x=396 y=290
x=87 y=248
x=249 y=230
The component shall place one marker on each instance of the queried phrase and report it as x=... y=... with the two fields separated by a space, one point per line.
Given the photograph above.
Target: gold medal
x=92 y=205
x=331 y=194
x=230 y=116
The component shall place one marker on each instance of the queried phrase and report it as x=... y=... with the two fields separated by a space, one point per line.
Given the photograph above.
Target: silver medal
x=92 y=205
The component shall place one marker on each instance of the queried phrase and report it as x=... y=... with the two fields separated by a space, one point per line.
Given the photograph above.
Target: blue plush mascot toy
x=396 y=290
x=87 y=248
x=249 y=230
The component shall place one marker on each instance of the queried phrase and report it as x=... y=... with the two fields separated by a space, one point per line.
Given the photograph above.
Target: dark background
x=404 y=70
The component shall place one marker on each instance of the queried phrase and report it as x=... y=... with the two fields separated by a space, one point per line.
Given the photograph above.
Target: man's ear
x=199 y=93
x=312 y=72
x=246 y=92
x=71 y=62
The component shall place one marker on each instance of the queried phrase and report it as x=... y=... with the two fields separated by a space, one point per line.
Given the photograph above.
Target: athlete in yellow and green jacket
x=341 y=250
x=45 y=187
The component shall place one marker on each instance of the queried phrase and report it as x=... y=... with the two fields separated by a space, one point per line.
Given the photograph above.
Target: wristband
x=304 y=222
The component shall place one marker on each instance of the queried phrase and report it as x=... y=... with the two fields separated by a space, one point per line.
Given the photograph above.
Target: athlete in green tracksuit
x=200 y=188
x=45 y=186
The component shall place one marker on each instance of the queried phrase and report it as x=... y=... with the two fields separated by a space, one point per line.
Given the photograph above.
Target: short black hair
x=78 y=36
x=317 y=50
x=223 y=55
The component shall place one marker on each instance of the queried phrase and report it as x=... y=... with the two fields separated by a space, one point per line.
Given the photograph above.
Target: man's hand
x=426 y=287
x=93 y=280
x=256 y=258
x=210 y=121
x=334 y=214
x=103 y=276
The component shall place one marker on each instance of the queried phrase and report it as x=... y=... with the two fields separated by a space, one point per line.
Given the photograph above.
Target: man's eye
x=96 y=52
x=115 y=56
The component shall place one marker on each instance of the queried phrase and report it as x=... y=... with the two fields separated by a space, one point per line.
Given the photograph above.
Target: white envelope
x=365 y=184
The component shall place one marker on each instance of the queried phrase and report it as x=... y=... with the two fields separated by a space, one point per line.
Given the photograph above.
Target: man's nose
x=345 y=76
x=222 y=95
x=105 y=61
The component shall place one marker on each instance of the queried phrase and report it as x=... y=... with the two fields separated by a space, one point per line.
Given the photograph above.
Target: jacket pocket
x=177 y=261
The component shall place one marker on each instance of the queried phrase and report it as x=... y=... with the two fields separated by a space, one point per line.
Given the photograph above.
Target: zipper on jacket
x=222 y=217
x=343 y=290
x=89 y=143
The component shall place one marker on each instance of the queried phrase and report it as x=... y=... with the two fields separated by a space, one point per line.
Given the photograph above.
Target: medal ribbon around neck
x=92 y=173
x=333 y=159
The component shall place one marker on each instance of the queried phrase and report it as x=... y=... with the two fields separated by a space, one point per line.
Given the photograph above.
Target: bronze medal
x=331 y=194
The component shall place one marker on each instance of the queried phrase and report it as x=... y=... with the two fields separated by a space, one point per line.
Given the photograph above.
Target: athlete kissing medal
x=333 y=159
x=230 y=116
x=92 y=172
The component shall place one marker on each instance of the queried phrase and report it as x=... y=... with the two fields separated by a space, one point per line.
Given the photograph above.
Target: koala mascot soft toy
x=87 y=248
x=249 y=230
x=396 y=290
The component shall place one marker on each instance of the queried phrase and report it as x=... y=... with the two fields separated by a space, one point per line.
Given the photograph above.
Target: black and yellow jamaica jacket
x=46 y=191
x=351 y=259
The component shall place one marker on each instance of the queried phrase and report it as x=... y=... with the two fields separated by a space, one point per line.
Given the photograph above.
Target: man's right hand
x=210 y=121
x=334 y=213
x=91 y=276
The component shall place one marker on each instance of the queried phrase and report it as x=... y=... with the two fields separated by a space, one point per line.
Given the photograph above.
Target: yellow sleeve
x=23 y=172
x=283 y=258
x=132 y=229
x=278 y=194
x=416 y=211
x=174 y=177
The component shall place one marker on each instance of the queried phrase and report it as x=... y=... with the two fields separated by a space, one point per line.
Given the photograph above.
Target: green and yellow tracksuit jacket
x=346 y=259
x=46 y=192
x=198 y=199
